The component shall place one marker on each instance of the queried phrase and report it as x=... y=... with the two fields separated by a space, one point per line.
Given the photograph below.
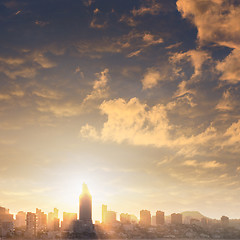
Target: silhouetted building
x=160 y=218
x=176 y=218
x=104 y=213
x=31 y=224
x=85 y=205
x=225 y=221
x=145 y=217
x=20 y=219
x=68 y=219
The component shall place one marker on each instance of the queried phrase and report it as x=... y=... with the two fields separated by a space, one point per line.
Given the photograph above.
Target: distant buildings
x=160 y=218
x=31 y=224
x=104 y=213
x=145 y=218
x=176 y=218
x=53 y=220
x=225 y=221
x=85 y=205
x=68 y=219
x=108 y=217
x=41 y=220
x=20 y=220
x=6 y=223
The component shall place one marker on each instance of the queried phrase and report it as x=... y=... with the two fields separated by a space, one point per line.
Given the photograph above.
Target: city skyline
x=137 y=98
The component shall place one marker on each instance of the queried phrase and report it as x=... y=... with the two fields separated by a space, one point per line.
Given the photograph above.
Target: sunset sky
x=138 y=98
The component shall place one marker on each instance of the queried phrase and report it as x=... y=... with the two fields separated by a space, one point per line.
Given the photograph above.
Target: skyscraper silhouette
x=85 y=205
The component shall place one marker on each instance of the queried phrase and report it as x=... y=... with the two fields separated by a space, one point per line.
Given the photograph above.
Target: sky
x=137 y=98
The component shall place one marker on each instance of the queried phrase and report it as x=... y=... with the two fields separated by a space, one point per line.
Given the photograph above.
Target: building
x=68 y=219
x=20 y=220
x=145 y=217
x=85 y=205
x=111 y=217
x=6 y=223
x=176 y=218
x=53 y=220
x=153 y=221
x=31 y=224
x=41 y=221
x=225 y=221
x=104 y=213
x=125 y=218
x=160 y=218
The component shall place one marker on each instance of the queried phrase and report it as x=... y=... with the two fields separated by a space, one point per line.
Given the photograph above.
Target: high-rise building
x=104 y=213
x=31 y=224
x=160 y=219
x=6 y=222
x=145 y=217
x=41 y=220
x=176 y=218
x=85 y=205
x=20 y=219
x=68 y=219
x=153 y=221
x=53 y=220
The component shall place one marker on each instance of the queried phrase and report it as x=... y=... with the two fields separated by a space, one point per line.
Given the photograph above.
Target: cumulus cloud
x=139 y=124
x=229 y=67
x=217 y=21
x=151 y=78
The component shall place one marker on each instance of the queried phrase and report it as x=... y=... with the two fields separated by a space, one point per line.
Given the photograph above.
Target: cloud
x=229 y=67
x=134 y=53
x=149 y=39
x=59 y=109
x=139 y=124
x=206 y=164
x=131 y=121
x=88 y=131
x=149 y=7
x=196 y=57
x=4 y=96
x=151 y=78
x=217 y=21
x=41 y=23
x=226 y=102
x=100 y=87
x=47 y=93
x=98 y=25
x=233 y=134
x=183 y=90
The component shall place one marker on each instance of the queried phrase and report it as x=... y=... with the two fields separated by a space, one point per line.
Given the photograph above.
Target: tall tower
x=85 y=205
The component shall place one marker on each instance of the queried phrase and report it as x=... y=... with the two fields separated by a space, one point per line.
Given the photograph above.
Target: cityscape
x=119 y=119
x=39 y=225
